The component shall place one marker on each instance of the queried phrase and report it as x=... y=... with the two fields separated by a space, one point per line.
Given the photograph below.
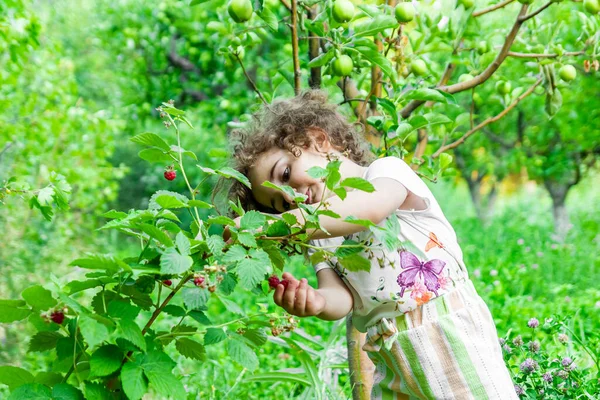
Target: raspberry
x=168 y=282
x=57 y=316
x=273 y=282
x=285 y=283
x=170 y=174
x=199 y=280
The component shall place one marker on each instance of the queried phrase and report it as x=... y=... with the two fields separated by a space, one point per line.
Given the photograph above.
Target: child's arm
x=331 y=301
x=388 y=196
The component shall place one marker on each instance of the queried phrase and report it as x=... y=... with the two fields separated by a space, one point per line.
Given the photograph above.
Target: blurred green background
x=79 y=78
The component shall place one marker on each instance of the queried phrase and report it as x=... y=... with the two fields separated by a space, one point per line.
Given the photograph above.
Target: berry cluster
x=274 y=281
x=56 y=315
x=278 y=327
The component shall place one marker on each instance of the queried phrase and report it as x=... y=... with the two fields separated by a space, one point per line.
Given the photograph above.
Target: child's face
x=282 y=168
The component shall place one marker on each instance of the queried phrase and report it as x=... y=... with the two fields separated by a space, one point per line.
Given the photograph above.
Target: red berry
x=198 y=281
x=170 y=175
x=57 y=316
x=168 y=282
x=285 y=283
x=273 y=282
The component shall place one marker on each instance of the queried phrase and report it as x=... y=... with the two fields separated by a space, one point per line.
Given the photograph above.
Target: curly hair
x=285 y=124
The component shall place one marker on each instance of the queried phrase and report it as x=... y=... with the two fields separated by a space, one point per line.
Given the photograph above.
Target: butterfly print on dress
x=412 y=268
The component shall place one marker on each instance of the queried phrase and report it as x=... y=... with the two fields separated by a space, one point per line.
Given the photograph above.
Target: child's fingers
x=290 y=295
x=289 y=277
x=310 y=302
x=278 y=295
x=300 y=303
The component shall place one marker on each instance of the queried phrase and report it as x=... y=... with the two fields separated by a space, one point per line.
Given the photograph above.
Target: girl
x=429 y=333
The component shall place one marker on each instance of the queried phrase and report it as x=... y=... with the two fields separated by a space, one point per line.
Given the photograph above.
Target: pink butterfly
x=412 y=267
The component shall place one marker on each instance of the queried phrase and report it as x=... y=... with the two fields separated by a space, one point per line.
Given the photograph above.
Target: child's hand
x=298 y=298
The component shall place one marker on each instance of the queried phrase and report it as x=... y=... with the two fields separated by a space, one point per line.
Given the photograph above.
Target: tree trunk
x=558 y=192
x=360 y=365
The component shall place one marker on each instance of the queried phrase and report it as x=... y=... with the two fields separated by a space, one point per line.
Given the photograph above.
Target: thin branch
x=479 y=79
x=286 y=5
x=314 y=80
x=250 y=80
x=351 y=100
x=294 y=28
x=491 y=8
x=541 y=55
x=487 y=121
x=524 y=18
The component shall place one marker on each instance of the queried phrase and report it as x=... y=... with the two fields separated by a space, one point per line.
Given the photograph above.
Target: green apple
x=591 y=6
x=419 y=67
x=567 y=73
x=405 y=12
x=342 y=66
x=503 y=87
x=343 y=11
x=240 y=10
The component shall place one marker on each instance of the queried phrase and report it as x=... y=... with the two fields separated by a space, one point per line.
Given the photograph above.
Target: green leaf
x=155 y=155
x=174 y=310
x=237 y=207
x=131 y=332
x=195 y=298
x=374 y=25
x=341 y=192
x=92 y=331
x=64 y=391
x=122 y=309
x=228 y=172
x=231 y=306
x=196 y=2
x=215 y=244
x=190 y=349
x=319 y=61
x=150 y=139
x=113 y=214
x=200 y=317
x=168 y=201
x=553 y=102
x=102 y=261
x=183 y=243
x=375 y=57
x=106 y=360
x=153 y=204
x=290 y=219
x=252 y=270
x=247 y=239
x=252 y=220
x=256 y=336
x=31 y=391
x=221 y=220
x=241 y=353
x=317 y=172
x=214 y=335
x=43 y=341
x=157 y=368
x=135 y=384
x=38 y=298
x=445 y=160
x=278 y=228
x=156 y=233
x=44 y=196
x=96 y=391
x=234 y=254
x=277 y=377
x=362 y=222
x=171 y=262
x=328 y=213
x=78 y=286
x=348 y=251
x=287 y=190
x=358 y=183
x=187 y=153
x=14 y=376
x=199 y=204
x=426 y=94
x=50 y=378
x=270 y=19
x=355 y=263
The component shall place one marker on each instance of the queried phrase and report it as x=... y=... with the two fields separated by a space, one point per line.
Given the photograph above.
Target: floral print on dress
x=433 y=242
x=416 y=273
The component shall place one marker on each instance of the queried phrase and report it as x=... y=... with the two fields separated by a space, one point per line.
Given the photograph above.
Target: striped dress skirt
x=446 y=349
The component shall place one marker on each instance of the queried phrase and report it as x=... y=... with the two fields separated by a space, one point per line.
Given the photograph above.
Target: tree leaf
x=374 y=25
x=96 y=391
x=375 y=57
x=168 y=201
x=135 y=384
x=105 y=360
x=241 y=353
x=348 y=251
x=363 y=222
x=278 y=228
x=214 y=335
x=252 y=270
x=64 y=391
x=256 y=336
x=101 y=261
x=252 y=220
x=153 y=204
x=155 y=155
x=157 y=368
x=195 y=298
x=426 y=94
x=92 y=331
x=43 y=341
x=31 y=391
x=150 y=139
x=38 y=298
x=358 y=183
x=14 y=376
x=156 y=233
x=131 y=332
x=183 y=243
x=234 y=254
x=247 y=239
x=171 y=262
x=190 y=349
x=355 y=263
x=270 y=19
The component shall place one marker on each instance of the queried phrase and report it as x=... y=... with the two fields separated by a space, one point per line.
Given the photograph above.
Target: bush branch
x=541 y=55
x=524 y=18
x=491 y=8
x=294 y=28
x=262 y=98
x=487 y=121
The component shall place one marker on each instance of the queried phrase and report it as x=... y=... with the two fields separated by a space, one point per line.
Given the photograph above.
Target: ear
x=320 y=139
